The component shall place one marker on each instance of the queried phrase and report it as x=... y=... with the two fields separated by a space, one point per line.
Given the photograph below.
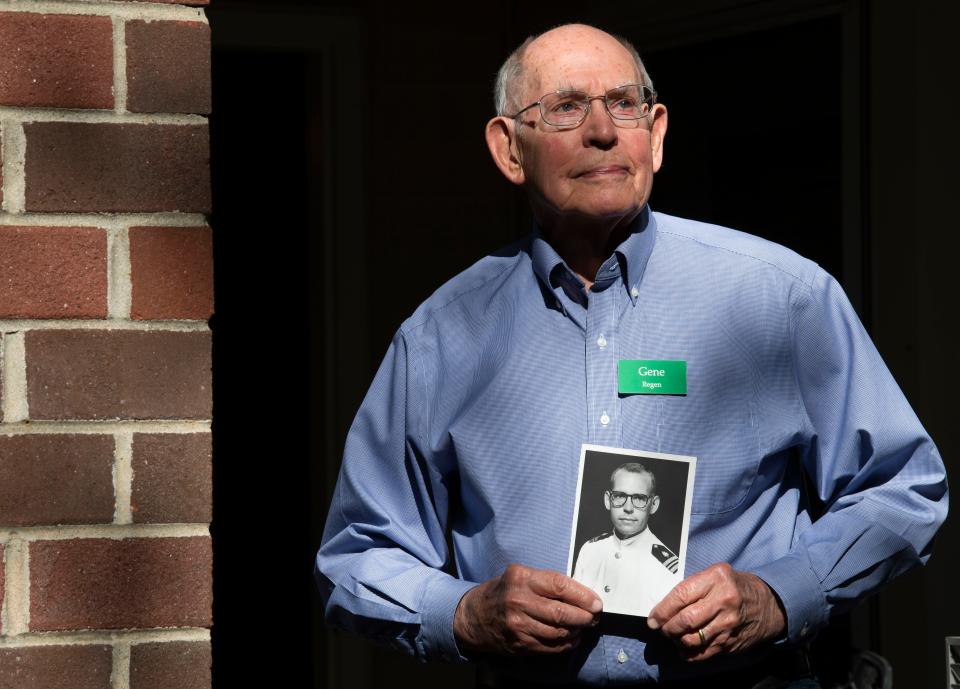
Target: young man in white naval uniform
x=631 y=569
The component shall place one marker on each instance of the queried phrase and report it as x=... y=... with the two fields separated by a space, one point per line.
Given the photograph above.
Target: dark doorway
x=754 y=141
x=262 y=500
x=331 y=223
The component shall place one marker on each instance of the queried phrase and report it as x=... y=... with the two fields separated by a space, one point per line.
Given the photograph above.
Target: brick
x=133 y=583
x=99 y=374
x=97 y=167
x=181 y=664
x=53 y=272
x=168 y=66
x=57 y=61
x=2 y=377
x=56 y=479
x=171 y=270
x=174 y=2
x=3 y=570
x=172 y=478
x=56 y=667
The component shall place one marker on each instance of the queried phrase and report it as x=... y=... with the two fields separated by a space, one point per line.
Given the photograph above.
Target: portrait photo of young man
x=627 y=564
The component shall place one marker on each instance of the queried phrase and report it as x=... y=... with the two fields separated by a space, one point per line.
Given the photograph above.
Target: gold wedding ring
x=703 y=639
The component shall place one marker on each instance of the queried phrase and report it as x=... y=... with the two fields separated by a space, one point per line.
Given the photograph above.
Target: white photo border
x=635 y=454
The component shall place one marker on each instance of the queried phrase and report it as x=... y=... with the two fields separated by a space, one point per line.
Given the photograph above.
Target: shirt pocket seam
x=748 y=430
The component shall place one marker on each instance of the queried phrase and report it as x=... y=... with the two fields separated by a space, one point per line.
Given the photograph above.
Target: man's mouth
x=604 y=170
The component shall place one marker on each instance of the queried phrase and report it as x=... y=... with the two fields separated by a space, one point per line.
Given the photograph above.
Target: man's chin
x=602 y=212
x=607 y=205
x=598 y=204
x=624 y=535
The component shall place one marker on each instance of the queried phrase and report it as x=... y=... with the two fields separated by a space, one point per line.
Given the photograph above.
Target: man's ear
x=654 y=503
x=658 y=132
x=504 y=148
x=606 y=499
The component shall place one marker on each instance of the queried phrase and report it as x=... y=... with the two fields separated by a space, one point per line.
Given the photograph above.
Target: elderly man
x=630 y=568
x=473 y=425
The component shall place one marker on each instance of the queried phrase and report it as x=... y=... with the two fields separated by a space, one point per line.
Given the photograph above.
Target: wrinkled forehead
x=585 y=60
x=632 y=482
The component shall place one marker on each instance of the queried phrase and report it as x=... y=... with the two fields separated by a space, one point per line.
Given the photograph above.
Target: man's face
x=603 y=167
x=628 y=519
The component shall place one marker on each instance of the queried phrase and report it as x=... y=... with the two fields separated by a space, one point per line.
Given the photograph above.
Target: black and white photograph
x=630 y=524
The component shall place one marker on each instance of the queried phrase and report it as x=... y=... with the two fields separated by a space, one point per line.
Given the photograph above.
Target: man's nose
x=598 y=128
x=628 y=506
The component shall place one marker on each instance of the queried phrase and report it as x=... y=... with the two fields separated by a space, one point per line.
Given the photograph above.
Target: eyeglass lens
x=618 y=499
x=568 y=108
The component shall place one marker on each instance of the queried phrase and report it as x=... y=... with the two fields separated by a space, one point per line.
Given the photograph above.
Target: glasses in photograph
x=618 y=499
x=570 y=108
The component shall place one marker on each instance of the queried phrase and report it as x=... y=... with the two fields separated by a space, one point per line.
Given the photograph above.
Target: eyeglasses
x=569 y=108
x=618 y=499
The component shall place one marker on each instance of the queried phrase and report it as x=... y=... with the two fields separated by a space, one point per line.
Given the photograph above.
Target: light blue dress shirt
x=474 y=422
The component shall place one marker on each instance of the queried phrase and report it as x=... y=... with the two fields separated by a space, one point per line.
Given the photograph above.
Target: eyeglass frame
x=611 y=495
x=652 y=99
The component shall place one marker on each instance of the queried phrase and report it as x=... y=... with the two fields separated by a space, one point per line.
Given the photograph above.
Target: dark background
x=593 y=518
x=826 y=126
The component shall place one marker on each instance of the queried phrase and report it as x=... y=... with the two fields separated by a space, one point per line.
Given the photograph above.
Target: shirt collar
x=633 y=254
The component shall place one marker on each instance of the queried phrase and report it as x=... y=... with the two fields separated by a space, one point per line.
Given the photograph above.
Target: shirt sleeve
x=874 y=467
x=379 y=567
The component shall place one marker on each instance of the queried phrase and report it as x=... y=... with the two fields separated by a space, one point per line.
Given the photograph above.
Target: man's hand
x=525 y=611
x=734 y=610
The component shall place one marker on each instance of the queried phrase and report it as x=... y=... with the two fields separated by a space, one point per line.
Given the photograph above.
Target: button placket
x=601 y=367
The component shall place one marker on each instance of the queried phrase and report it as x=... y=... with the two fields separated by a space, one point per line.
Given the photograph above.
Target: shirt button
x=601 y=342
x=606 y=589
x=604 y=419
x=612 y=267
x=622 y=656
x=617 y=555
x=634 y=293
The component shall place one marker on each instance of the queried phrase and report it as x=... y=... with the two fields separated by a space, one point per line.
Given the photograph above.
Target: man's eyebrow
x=567 y=86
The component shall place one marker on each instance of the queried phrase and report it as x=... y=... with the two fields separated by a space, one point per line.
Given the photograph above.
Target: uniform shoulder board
x=600 y=537
x=665 y=556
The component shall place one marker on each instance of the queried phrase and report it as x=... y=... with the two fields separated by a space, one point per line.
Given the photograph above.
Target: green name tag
x=652 y=377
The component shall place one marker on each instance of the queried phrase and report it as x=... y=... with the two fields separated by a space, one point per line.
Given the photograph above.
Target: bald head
x=599 y=170
x=518 y=77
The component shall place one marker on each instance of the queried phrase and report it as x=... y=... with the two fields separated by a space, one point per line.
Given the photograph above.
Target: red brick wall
x=105 y=291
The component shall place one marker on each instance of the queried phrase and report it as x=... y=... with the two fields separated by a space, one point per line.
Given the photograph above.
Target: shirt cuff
x=440 y=600
x=792 y=579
